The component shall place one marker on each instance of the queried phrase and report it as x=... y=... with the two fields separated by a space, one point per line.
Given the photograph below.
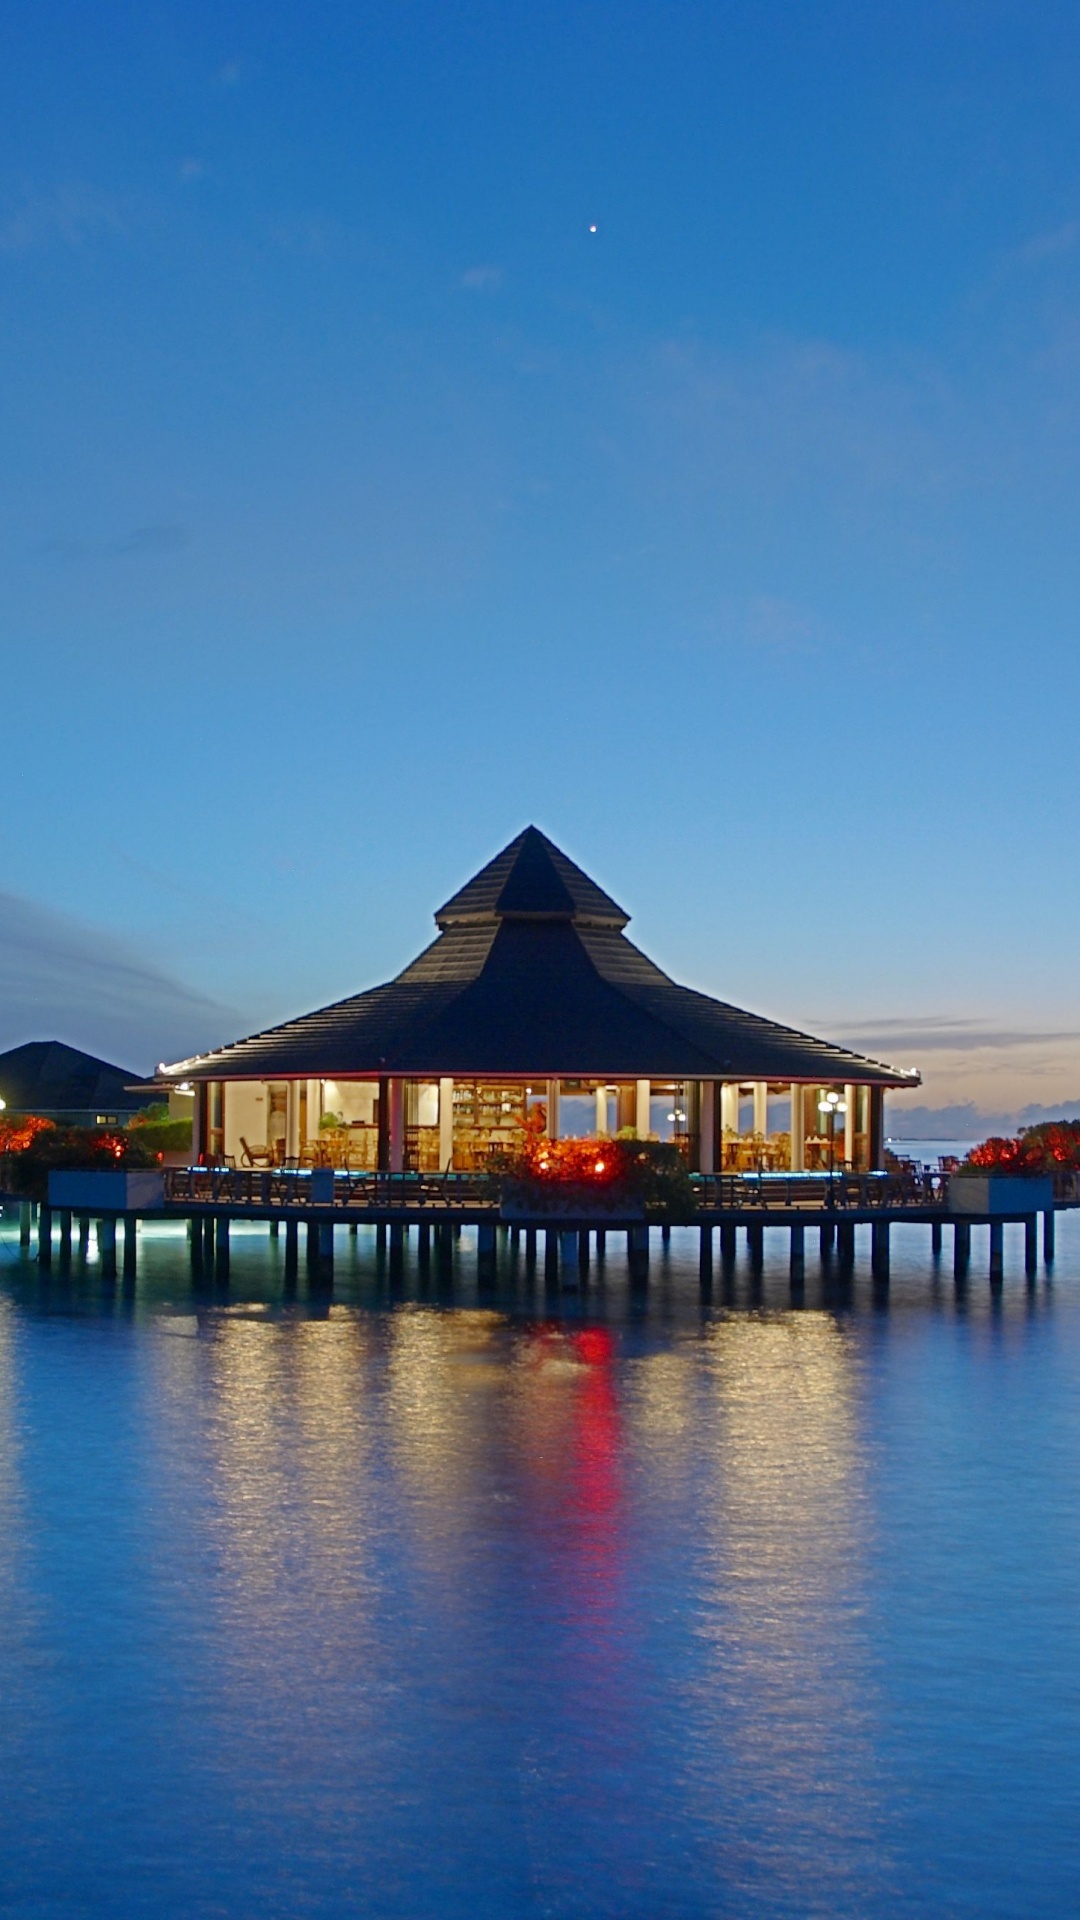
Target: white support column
x=643 y=1117
x=314 y=1108
x=729 y=1106
x=396 y=1091
x=446 y=1125
x=553 y=1109
x=849 y=1123
x=798 y=1131
x=707 y=1128
x=292 y=1119
x=761 y=1106
x=601 y=1113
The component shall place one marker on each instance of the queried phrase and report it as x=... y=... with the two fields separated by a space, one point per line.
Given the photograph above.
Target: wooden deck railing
x=270 y=1188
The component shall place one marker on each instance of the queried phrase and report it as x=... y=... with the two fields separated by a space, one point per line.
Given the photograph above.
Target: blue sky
x=358 y=504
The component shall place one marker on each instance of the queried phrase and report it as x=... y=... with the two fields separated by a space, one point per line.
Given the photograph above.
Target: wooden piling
x=221 y=1246
x=1048 y=1237
x=798 y=1250
x=106 y=1236
x=997 y=1249
x=961 y=1247
x=727 y=1242
x=24 y=1223
x=637 y=1252
x=130 y=1246
x=44 y=1236
x=879 y=1249
x=935 y=1238
x=1031 y=1243
x=705 y=1255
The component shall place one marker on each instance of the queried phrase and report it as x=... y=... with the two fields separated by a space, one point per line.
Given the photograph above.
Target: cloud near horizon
x=61 y=980
x=998 y=1075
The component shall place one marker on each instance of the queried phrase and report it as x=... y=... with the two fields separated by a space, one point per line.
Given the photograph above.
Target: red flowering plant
x=595 y=1176
x=1052 y=1147
x=17 y=1135
x=26 y=1167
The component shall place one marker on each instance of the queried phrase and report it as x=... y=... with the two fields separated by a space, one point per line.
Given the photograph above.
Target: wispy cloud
x=62 y=980
x=482 y=279
x=955 y=1036
x=1053 y=245
x=159 y=536
x=73 y=216
x=966 y=1120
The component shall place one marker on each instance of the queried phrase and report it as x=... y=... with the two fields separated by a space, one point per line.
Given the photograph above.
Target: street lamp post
x=830 y=1106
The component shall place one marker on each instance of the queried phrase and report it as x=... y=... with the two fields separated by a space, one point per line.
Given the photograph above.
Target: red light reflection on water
x=572 y=1458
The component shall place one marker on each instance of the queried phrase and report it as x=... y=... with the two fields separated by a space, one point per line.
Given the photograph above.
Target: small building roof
x=531 y=974
x=48 y=1077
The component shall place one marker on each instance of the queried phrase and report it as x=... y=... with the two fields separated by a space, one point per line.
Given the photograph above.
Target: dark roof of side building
x=532 y=974
x=49 y=1077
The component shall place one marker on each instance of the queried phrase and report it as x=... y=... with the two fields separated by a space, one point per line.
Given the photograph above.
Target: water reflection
x=411 y=1609
x=784 y=1703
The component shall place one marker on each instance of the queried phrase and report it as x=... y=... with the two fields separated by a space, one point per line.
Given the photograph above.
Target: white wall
x=353 y=1099
x=246 y=1108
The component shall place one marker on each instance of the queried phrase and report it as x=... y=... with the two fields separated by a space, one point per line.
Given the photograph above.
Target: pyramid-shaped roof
x=531 y=879
x=532 y=975
x=48 y=1076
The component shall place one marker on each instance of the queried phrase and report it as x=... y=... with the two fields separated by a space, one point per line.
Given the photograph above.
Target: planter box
x=1001 y=1193
x=136 y=1190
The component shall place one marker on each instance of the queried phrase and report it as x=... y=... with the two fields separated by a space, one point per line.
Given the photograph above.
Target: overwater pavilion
x=531 y=1011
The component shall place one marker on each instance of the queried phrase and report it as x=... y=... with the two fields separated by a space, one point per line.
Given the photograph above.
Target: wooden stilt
x=997 y=1249
x=705 y=1255
x=961 y=1247
x=1048 y=1237
x=1031 y=1243
x=879 y=1249
x=131 y=1251
x=106 y=1234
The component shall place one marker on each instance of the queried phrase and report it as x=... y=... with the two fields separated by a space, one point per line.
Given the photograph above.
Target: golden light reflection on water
x=281 y=1419
x=785 y=1531
x=12 y=1506
x=433 y=1472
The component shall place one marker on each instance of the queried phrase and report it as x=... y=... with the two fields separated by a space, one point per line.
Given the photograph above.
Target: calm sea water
x=529 y=1603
